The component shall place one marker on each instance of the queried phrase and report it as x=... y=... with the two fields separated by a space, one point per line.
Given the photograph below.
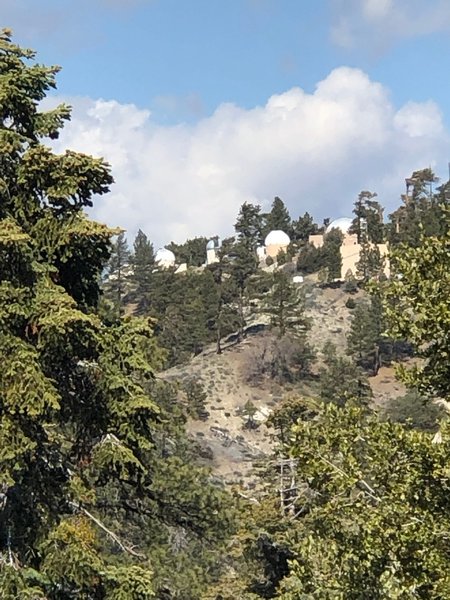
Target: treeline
x=204 y=305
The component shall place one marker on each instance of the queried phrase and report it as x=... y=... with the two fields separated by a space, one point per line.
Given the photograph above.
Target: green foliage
x=368 y=222
x=341 y=380
x=302 y=228
x=414 y=411
x=369 y=516
x=416 y=306
x=141 y=277
x=278 y=218
x=249 y=226
x=96 y=473
x=422 y=211
x=192 y=252
x=196 y=400
x=364 y=341
x=366 y=530
x=331 y=253
x=309 y=259
x=284 y=303
x=371 y=264
x=117 y=274
x=350 y=286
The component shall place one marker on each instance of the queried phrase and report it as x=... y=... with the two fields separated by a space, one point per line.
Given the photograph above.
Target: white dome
x=277 y=238
x=213 y=244
x=165 y=257
x=344 y=224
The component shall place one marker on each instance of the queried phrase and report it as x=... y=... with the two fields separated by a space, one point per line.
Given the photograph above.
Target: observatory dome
x=165 y=258
x=213 y=244
x=344 y=224
x=277 y=238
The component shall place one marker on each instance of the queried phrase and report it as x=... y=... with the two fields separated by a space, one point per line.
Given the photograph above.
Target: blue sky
x=151 y=82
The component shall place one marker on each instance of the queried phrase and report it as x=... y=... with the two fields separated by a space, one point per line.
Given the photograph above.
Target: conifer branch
x=108 y=532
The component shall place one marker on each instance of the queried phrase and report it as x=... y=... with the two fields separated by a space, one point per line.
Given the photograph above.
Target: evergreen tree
x=422 y=211
x=413 y=410
x=192 y=252
x=115 y=286
x=278 y=217
x=368 y=222
x=225 y=320
x=249 y=227
x=284 y=303
x=331 y=253
x=341 y=380
x=143 y=262
x=302 y=228
x=90 y=490
x=310 y=259
x=370 y=265
x=364 y=338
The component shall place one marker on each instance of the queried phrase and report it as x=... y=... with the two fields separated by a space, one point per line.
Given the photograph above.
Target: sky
x=202 y=105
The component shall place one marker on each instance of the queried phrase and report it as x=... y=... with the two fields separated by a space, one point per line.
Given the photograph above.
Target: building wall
x=273 y=249
x=316 y=240
x=211 y=256
x=350 y=253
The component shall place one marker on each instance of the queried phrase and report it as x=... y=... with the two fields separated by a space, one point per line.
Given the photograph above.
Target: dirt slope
x=229 y=446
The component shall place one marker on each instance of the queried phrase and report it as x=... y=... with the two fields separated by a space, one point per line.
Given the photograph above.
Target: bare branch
x=110 y=533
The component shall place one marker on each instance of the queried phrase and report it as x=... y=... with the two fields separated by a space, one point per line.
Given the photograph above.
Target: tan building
x=276 y=241
x=350 y=249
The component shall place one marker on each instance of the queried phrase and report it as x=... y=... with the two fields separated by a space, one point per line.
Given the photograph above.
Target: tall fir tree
x=364 y=340
x=341 y=380
x=278 y=218
x=89 y=493
x=284 y=303
x=421 y=213
x=117 y=275
x=370 y=265
x=330 y=253
x=368 y=222
x=143 y=262
x=249 y=226
x=302 y=228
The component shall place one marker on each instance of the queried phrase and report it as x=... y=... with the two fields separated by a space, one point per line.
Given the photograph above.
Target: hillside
x=229 y=381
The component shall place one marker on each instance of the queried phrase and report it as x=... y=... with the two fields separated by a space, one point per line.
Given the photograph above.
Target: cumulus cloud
x=378 y=23
x=316 y=151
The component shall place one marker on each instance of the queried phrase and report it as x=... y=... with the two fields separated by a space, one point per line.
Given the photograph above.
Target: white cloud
x=378 y=23
x=316 y=151
x=377 y=9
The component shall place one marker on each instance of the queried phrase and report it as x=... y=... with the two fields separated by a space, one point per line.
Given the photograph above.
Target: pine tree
x=364 y=339
x=226 y=317
x=330 y=253
x=249 y=226
x=278 y=218
x=302 y=228
x=87 y=484
x=310 y=259
x=341 y=380
x=370 y=265
x=192 y=252
x=143 y=262
x=285 y=305
x=115 y=286
x=421 y=213
x=368 y=222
